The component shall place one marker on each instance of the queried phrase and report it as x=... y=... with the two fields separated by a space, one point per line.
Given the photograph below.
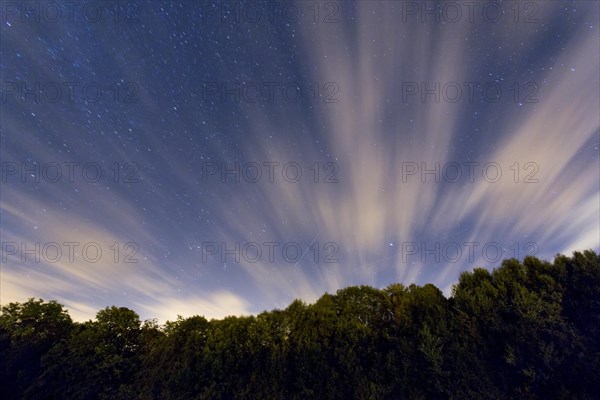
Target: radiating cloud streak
x=370 y=134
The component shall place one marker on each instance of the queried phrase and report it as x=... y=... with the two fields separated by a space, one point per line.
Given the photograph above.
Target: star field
x=227 y=158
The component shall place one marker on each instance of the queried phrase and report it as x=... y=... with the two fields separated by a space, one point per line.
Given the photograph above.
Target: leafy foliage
x=526 y=330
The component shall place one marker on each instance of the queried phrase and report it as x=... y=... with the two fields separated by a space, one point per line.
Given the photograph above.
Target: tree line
x=526 y=330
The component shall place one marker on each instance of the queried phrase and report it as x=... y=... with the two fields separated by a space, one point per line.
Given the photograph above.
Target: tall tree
x=527 y=330
x=27 y=331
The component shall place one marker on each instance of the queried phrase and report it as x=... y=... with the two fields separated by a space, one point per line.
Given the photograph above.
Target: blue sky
x=217 y=159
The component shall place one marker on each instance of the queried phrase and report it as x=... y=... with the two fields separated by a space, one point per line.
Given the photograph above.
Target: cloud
x=370 y=134
x=217 y=305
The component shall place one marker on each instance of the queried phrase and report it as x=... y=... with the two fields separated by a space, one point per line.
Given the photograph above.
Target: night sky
x=224 y=159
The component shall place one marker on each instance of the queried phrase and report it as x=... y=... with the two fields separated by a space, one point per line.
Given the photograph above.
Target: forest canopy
x=528 y=329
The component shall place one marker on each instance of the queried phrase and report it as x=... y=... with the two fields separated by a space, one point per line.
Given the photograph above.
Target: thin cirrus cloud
x=370 y=134
x=550 y=134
